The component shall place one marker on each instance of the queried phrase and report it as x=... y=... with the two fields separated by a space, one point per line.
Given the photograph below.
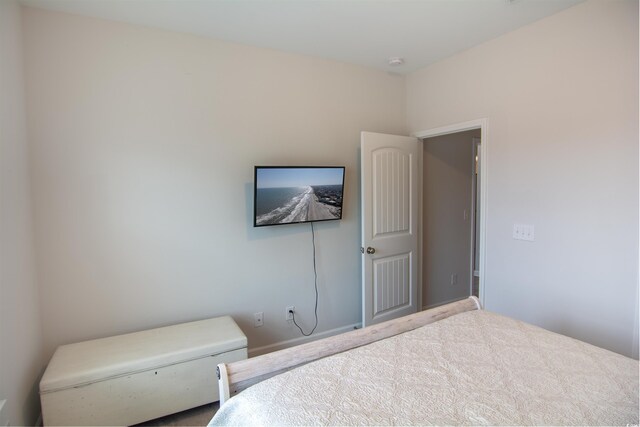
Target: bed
x=453 y=365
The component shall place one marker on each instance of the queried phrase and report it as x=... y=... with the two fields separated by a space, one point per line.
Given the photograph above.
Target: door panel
x=391 y=284
x=389 y=226
x=391 y=169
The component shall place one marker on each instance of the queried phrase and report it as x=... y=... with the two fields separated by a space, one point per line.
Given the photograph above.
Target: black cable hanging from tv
x=315 y=282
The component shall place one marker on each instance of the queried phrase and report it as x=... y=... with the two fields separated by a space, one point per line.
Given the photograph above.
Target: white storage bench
x=128 y=379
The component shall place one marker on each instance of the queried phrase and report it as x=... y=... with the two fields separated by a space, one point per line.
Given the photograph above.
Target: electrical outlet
x=288 y=312
x=258 y=319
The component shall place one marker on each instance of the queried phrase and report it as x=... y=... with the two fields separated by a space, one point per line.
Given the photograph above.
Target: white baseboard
x=444 y=302
x=253 y=352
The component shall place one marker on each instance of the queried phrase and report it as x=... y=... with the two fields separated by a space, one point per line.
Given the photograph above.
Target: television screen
x=295 y=194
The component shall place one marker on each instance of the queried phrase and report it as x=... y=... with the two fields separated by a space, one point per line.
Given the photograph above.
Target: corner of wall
x=21 y=351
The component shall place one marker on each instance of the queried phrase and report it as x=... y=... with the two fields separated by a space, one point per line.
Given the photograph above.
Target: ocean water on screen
x=275 y=204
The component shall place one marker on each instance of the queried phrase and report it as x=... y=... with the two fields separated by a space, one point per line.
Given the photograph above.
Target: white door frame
x=483 y=125
x=475 y=173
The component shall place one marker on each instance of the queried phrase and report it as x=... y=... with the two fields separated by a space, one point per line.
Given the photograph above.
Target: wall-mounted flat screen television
x=296 y=194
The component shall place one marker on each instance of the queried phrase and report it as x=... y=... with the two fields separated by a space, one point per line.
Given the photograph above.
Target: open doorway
x=391 y=188
x=477 y=259
x=449 y=199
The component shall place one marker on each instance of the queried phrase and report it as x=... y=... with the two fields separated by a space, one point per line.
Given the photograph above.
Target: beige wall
x=561 y=98
x=21 y=358
x=447 y=175
x=144 y=143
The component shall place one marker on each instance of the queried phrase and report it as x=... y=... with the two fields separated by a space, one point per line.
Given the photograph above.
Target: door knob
x=371 y=250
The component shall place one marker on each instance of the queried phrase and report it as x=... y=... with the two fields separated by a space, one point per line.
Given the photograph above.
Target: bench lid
x=87 y=362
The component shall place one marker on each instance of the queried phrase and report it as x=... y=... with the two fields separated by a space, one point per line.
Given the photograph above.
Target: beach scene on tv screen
x=290 y=195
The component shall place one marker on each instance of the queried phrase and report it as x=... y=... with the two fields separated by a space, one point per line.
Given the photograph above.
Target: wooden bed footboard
x=235 y=377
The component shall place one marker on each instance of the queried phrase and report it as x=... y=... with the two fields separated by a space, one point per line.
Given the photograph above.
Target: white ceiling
x=364 y=32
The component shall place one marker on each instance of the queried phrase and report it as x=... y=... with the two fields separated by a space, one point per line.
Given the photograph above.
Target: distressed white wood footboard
x=236 y=376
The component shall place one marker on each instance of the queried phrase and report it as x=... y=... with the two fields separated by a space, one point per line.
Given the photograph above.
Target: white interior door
x=389 y=226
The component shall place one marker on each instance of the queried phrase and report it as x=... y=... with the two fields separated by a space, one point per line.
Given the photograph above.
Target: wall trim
x=4 y=419
x=454 y=128
x=635 y=350
x=253 y=352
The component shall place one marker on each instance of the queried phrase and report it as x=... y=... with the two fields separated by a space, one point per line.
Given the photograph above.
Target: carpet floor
x=199 y=416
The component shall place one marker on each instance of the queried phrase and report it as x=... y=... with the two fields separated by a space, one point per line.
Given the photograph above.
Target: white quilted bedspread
x=474 y=368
